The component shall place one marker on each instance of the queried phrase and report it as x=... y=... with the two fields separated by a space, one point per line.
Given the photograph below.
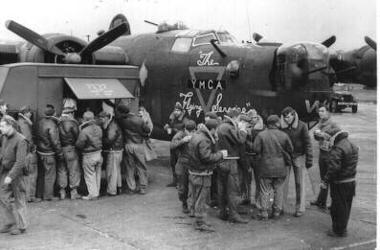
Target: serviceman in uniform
x=179 y=144
x=256 y=126
x=68 y=129
x=135 y=130
x=49 y=150
x=231 y=137
x=302 y=156
x=176 y=123
x=89 y=142
x=25 y=125
x=340 y=175
x=203 y=158
x=113 y=145
x=274 y=150
x=14 y=149
x=321 y=134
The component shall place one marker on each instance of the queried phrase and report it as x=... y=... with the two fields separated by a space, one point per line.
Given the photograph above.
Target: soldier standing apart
x=135 y=130
x=321 y=134
x=302 y=156
x=25 y=125
x=113 y=147
x=202 y=160
x=12 y=177
x=49 y=150
x=68 y=129
x=340 y=175
x=231 y=137
x=274 y=150
x=89 y=142
x=180 y=143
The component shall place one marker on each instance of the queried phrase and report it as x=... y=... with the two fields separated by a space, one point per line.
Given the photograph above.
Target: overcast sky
x=276 y=20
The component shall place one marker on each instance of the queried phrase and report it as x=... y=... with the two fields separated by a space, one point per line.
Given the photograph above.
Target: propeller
x=33 y=37
x=330 y=41
x=46 y=45
x=370 y=42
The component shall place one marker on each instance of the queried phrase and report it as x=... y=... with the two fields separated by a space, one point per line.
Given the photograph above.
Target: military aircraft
x=204 y=70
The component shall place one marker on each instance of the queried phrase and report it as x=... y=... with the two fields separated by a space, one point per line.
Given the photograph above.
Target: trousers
x=228 y=186
x=200 y=193
x=136 y=166
x=113 y=161
x=182 y=174
x=15 y=212
x=92 y=169
x=300 y=172
x=50 y=174
x=269 y=186
x=341 y=197
x=69 y=169
x=323 y=165
x=31 y=179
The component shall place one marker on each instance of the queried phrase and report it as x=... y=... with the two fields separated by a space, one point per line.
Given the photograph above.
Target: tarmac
x=155 y=220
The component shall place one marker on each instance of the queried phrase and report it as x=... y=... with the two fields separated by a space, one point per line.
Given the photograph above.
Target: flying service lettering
x=217 y=107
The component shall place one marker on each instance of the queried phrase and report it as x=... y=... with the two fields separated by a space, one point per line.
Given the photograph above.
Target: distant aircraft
x=357 y=66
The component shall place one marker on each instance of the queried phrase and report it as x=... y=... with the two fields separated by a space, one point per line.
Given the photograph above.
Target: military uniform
x=89 y=142
x=202 y=159
x=48 y=148
x=13 y=153
x=230 y=138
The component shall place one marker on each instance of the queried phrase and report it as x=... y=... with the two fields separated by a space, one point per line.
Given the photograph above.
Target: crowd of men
x=213 y=162
x=63 y=150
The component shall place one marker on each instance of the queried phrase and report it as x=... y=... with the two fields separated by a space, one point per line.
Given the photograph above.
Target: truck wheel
x=334 y=106
x=354 y=109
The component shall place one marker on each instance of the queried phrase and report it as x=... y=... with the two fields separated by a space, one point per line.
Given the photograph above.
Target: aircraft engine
x=300 y=62
x=59 y=48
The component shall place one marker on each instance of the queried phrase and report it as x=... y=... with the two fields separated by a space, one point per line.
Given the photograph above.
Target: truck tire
x=334 y=106
x=354 y=109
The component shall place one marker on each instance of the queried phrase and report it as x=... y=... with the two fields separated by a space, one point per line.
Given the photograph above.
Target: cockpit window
x=182 y=44
x=225 y=37
x=203 y=39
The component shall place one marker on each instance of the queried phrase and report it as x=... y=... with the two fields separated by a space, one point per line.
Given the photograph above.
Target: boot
x=223 y=215
x=185 y=209
x=6 y=228
x=203 y=227
x=119 y=190
x=17 y=231
x=62 y=194
x=74 y=194
x=238 y=219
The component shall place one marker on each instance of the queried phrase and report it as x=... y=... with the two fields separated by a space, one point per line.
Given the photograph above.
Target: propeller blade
x=257 y=37
x=32 y=37
x=330 y=41
x=105 y=39
x=370 y=42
